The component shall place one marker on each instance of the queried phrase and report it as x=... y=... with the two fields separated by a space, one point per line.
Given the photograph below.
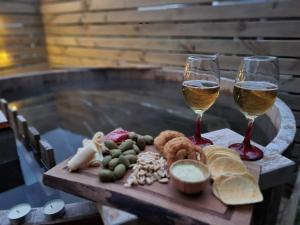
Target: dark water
x=65 y=118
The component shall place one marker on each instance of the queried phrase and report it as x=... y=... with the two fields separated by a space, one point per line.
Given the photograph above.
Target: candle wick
x=18 y=211
x=51 y=206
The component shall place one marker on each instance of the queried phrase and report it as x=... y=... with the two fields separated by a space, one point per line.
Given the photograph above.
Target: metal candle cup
x=54 y=209
x=17 y=214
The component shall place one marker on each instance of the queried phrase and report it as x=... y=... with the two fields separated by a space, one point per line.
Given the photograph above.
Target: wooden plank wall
x=106 y=33
x=22 y=45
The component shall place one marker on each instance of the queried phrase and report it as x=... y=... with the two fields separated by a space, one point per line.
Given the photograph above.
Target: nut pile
x=150 y=167
x=119 y=157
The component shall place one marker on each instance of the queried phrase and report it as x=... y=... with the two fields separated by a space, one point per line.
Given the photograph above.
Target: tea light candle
x=17 y=214
x=54 y=209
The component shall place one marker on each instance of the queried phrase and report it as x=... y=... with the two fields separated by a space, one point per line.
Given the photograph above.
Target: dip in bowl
x=189 y=176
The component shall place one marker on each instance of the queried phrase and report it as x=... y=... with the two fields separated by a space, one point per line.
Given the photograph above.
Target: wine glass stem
x=198 y=128
x=248 y=135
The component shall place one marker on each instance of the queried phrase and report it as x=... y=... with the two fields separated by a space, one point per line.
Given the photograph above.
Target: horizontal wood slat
x=22 y=43
x=248 y=11
x=297 y=138
x=297 y=116
x=14 y=41
x=268 y=29
x=21 y=63
x=17 y=20
x=25 y=50
x=23 y=60
x=18 y=7
x=291 y=66
x=245 y=47
x=84 y=62
x=23 y=1
x=291 y=99
x=25 y=68
x=24 y=31
x=82 y=5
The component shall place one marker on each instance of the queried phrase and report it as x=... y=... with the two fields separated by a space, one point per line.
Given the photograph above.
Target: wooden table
x=159 y=203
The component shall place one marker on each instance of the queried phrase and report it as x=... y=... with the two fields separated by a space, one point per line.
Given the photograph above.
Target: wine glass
x=200 y=87
x=254 y=92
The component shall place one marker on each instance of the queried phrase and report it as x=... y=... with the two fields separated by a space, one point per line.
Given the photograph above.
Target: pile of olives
x=118 y=158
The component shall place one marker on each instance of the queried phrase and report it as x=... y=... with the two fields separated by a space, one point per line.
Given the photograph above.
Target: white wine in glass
x=254 y=98
x=254 y=92
x=200 y=95
x=200 y=88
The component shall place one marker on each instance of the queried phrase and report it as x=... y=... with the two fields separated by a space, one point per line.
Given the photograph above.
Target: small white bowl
x=190 y=187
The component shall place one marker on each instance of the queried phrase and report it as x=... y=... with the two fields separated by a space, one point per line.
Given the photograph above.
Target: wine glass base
x=249 y=153
x=201 y=141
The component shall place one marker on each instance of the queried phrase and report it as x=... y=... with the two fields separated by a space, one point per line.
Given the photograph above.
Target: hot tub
x=68 y=106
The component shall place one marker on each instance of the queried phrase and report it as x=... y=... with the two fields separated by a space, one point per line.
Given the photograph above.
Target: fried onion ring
x=164 y=137
x=181 y=148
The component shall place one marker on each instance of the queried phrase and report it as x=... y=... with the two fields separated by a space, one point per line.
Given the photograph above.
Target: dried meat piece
x=118 y=135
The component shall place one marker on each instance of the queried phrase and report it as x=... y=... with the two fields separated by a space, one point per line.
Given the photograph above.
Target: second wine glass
x=200 y=87
x=254 y=92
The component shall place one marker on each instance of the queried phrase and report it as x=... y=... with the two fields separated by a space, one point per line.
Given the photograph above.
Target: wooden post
x=34 y=138
x=3 y=121
x=22 y=130
x=266 y=212
x=4 y=107
x=12 y=118
x=47 y=154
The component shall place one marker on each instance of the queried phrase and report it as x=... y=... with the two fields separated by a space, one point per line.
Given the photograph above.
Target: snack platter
x=157 y=203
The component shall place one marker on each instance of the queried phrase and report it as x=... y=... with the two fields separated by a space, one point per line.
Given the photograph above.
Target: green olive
x=148 y=139
x=136 y=149
x=132 y=158
x=129 y=152
x=115 y=153
x=141 y=143
x=119 y=171
x=113 y=163
x=126 y=145
x=133 y=135
x=124 y=160
x=106 y=160
x=110 y=144
x=106 y=175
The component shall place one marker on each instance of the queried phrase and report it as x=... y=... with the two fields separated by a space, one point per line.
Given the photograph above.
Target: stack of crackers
x=232 y=182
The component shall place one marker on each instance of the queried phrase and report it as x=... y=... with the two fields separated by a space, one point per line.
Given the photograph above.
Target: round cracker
x=225 y=165
x=250 y=176
x=222 y=149
x=209 y=148
x=217 y=183
x=239 y=190
x=212 y=157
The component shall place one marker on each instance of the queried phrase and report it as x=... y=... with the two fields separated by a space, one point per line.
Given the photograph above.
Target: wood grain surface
x=158 y=203
x=22 y=43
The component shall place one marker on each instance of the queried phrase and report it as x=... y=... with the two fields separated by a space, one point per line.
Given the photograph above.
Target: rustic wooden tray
x=157 y=203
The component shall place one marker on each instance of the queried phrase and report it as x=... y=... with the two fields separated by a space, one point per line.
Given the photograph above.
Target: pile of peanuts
x=150 y=167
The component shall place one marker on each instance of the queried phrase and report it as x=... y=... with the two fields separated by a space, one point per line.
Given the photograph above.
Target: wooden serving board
x=157 y=203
